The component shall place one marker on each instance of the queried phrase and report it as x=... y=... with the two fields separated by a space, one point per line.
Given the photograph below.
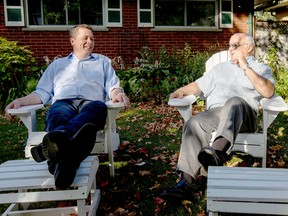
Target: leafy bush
x=156 y=74
x=280 y=72
x=17 y=67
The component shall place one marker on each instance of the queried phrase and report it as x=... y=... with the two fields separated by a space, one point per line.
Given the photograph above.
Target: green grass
x=146 y=159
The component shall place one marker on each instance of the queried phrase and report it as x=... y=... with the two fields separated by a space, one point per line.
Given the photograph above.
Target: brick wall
x=125 y=41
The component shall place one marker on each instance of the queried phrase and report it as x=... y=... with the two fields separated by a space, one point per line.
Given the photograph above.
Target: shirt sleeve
x=267 y=73
x=111 y=79
x=44 y=88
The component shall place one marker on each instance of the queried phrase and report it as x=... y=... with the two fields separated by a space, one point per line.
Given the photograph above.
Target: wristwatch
x=246 y=68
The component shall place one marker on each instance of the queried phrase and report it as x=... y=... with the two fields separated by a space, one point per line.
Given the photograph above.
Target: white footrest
x=26 y=181
x=247 y=190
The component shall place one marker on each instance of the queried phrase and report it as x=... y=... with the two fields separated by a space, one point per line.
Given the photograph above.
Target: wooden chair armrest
x=25 y=109
x=27 y=114
x=185 y=101
x=183 y=105
x=275 y=103
x=114 y=105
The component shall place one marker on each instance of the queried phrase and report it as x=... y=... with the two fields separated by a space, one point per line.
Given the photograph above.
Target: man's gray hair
x=250 y=39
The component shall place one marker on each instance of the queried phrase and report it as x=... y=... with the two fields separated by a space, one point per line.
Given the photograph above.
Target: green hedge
x=157 y=74
x=17 y=71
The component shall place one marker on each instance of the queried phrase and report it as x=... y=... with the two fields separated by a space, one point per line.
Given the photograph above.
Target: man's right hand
x=30 y=99
x=177 y=94
x=13 y=105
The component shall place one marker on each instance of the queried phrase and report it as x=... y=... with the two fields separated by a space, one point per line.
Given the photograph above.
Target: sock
x=221 y=144
x=188 y=177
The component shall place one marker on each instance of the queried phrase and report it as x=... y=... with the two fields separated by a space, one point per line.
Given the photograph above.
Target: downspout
x=250 y=23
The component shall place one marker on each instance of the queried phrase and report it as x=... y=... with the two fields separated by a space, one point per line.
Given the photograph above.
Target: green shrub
x=17 y=67
x=280 y=72
x=157 y=74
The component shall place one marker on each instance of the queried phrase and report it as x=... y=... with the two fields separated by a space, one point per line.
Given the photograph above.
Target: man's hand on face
x=237 y=57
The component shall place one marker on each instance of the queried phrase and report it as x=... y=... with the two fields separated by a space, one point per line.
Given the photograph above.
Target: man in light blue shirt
x=234 y=90
x=77 y=87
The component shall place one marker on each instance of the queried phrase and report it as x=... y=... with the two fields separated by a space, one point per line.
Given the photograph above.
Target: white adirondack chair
x=107 y=140
x=254 y=144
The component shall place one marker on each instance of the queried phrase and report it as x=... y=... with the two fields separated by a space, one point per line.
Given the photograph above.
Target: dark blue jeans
x=70 y=115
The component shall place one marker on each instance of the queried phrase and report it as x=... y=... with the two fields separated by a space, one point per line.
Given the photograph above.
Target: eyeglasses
x=235 y=46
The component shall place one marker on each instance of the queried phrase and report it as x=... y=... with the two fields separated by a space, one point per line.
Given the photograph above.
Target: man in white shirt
x=234 y=89
x=77 y=87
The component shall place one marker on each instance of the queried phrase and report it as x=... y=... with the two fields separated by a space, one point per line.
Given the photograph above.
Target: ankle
x=221 y=144
x=188 y=178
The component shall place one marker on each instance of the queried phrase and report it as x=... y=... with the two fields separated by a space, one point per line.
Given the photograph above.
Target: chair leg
x=111 y=163
x=81 y=207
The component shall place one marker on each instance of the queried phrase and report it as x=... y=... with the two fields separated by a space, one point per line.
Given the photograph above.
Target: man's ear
x=72 y=41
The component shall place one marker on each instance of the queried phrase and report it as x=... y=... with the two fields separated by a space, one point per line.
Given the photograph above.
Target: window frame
x=151 y=10
x=106 y=14
x=27 y=27
x=14 y=23
x=191 y=28
x=222 y=25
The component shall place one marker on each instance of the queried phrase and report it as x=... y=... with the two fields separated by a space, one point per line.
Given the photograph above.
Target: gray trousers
x=227 y=121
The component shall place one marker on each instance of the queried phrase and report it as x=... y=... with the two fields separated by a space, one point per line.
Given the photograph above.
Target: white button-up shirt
x=227 y=80
x=93 y=79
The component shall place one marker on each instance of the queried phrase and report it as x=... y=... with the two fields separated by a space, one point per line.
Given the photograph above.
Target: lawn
x=146 y=160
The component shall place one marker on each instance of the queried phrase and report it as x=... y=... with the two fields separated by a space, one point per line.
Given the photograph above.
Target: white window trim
x=151 y=10
x=14 y=23
x=113 y=24
x=226 y=12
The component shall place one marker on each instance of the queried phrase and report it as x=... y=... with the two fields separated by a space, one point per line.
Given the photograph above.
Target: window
x=226 y=16
x=46 y=12
x=193 y=13
x=63 y=12
x=114 y=15
x=14 y=12
x=145 y=13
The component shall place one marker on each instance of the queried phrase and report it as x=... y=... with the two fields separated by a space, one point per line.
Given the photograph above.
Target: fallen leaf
x=145 y=173
x=156 y=186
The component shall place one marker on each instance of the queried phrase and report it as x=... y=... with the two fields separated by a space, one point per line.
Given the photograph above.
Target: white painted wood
x=254 y=144
x=184 y=105
x=247 y=190
x=18 y=177
x=49 y=212
x=106 y=142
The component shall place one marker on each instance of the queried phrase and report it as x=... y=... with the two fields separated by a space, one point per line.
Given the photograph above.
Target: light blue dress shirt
x=92 y=78
x=227 y=80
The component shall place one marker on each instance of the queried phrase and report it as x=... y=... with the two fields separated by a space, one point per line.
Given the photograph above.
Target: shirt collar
x=71 y=56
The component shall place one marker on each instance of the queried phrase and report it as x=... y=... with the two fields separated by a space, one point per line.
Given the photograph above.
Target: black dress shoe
x=52 y=166
x=211 y=157
x=37 y=153
x=64 y=174
x=54 y=144
x=80 y=146
x=182 y=191
x=83 y=142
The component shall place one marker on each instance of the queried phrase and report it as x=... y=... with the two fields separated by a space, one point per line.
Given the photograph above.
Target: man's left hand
x=121 y=97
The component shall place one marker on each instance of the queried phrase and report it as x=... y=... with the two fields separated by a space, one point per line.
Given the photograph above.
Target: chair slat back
x=215 y=59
